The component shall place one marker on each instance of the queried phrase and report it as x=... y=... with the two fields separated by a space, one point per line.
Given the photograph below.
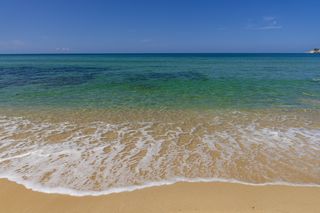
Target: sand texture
x=181 y=197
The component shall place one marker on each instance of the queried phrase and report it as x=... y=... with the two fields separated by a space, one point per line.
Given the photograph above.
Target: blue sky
x=66 y=26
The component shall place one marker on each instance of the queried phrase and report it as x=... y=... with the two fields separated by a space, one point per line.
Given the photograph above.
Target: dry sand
x=181 y=197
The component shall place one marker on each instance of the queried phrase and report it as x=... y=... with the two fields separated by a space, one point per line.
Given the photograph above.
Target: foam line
x=76 y=193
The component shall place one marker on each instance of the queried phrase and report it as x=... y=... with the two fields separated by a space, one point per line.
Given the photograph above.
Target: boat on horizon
x=315 y=51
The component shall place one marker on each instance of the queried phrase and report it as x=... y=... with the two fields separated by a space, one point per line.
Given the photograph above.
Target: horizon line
x=137 y=53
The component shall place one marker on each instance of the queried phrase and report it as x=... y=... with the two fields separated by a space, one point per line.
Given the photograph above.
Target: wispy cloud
x=62 y=49
x=267 y=23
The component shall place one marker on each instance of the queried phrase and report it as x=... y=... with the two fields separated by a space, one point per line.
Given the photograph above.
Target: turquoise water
x=170 y=81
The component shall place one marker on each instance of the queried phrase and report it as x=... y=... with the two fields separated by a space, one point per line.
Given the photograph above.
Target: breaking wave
x=101 y=158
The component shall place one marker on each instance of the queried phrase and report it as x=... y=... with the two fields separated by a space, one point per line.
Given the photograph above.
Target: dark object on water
x=315 y=51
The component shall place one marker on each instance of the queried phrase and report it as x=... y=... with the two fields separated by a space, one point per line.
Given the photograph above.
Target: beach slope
x=181 y=197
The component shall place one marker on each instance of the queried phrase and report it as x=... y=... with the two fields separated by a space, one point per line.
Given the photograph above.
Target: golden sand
x=181 y=197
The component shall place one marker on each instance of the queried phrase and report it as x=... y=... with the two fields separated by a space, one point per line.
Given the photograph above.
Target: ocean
x=91 y=124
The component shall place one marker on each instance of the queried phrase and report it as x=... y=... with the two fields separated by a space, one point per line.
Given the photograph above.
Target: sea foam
x=102 y=158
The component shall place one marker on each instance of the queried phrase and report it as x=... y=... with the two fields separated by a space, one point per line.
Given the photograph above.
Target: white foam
x=146 y=154
x=65 y=191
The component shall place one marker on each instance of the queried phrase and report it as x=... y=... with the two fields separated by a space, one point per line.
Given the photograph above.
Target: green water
x=161 y=81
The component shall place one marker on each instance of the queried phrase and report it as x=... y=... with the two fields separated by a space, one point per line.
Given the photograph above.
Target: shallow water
x=96 y=124
x=199 y=81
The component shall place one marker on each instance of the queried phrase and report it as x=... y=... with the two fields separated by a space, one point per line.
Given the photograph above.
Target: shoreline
x=179 y=197
x=127 y=189
x=241 y=146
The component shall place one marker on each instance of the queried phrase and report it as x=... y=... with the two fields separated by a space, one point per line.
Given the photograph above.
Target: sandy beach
x=159 y=106
x=181 y=197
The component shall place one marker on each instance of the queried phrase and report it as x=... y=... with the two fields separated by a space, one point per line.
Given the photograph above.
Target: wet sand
x=180 y=197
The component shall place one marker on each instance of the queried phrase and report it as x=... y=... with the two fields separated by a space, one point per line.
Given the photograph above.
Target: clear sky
x=55 y=26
